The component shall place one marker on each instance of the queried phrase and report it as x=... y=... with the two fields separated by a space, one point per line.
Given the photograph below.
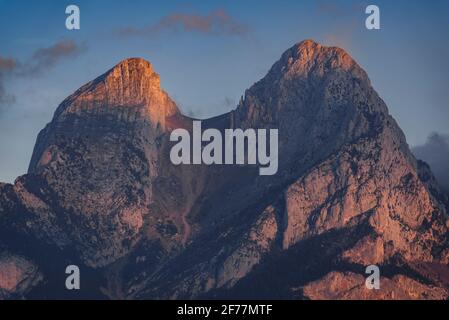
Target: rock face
x=350 y=286
x=17 y=276
x=101 y=191
x=95 y=163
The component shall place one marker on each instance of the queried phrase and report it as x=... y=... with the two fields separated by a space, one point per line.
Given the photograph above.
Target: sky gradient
x=208 y=52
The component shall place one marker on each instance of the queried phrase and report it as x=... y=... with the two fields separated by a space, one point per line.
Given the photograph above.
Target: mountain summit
x=131 y=84
x=101 y=192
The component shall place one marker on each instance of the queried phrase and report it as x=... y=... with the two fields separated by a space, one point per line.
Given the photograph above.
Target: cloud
x=218 y=22
x=40 y=61
x=5 y=98
x=7 y=67
x=229 y=104
x=329 y=8
x=436 y=153
x=346 y=20
x=46 y=58
x=7 y=64
x=340 y=9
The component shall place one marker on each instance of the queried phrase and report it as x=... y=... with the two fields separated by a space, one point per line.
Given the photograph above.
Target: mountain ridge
x=349 y=193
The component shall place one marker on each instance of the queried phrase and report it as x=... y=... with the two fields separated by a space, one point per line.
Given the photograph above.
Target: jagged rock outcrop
x=17 y=276
x=102 y=191
x=350 y=286
x=369 y=177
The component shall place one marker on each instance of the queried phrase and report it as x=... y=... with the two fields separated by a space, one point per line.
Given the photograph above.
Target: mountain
x=102 y=193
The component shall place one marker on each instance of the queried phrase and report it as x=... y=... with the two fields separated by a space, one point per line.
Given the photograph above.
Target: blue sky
x=207 y=70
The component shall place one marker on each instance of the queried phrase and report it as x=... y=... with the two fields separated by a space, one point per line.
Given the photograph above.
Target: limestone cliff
x=101 y=191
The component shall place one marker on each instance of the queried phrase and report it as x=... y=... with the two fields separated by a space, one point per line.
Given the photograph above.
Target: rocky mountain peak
x=309 y=58
x=314 y=84
x=131 y=84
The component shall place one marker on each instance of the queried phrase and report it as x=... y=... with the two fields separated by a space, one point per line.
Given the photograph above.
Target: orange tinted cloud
x=218 y=22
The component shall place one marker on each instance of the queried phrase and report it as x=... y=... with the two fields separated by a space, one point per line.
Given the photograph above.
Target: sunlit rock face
x=96 y=162
x=131 y=90
x=101 y=191
x=17 y=276
x=350 y=286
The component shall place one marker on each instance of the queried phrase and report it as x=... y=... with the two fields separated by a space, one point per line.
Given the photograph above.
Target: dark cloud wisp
x=218 y=22
x=46 y=58
x=40 y=61
x=436 y=153
x=7 y=67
